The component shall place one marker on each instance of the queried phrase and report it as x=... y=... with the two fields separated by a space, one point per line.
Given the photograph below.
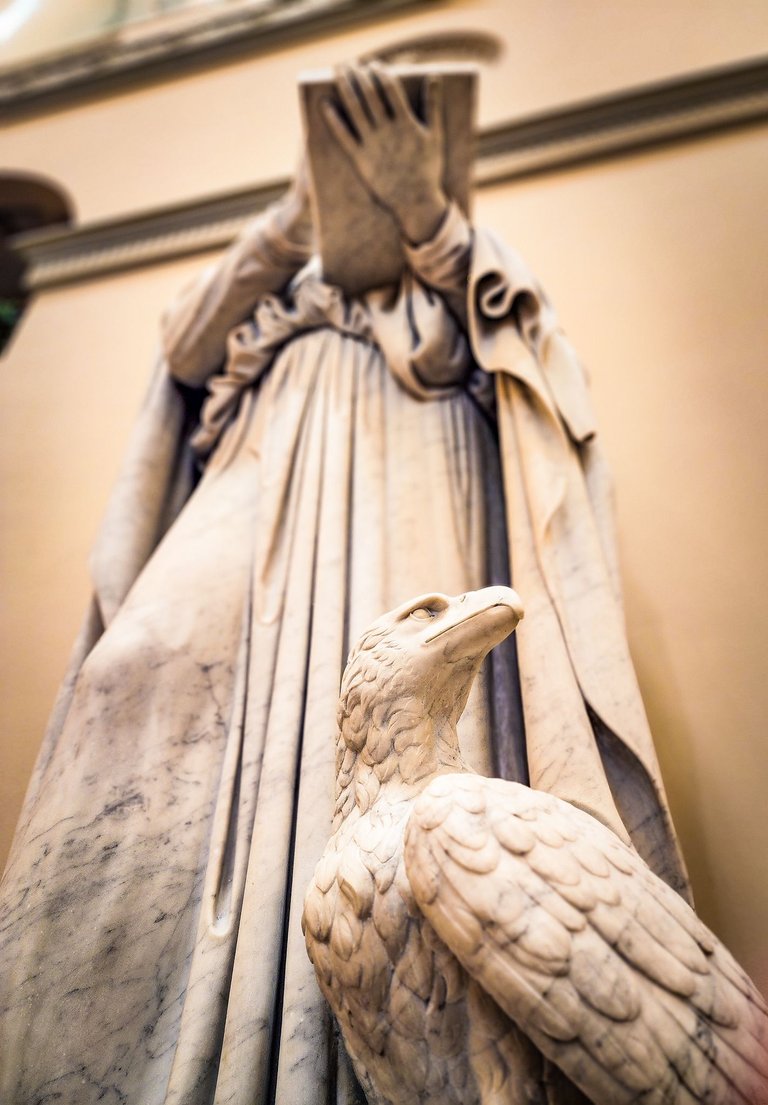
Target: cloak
x=184 y=789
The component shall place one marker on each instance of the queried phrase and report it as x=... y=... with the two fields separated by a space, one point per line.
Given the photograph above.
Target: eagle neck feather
x=400 y=751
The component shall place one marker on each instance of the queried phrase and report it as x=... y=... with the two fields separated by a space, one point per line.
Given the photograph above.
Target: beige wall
x=239 y=122
x=659 y=266
x=657 y=263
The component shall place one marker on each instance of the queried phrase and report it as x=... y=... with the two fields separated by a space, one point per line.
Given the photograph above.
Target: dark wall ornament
x=28 y=204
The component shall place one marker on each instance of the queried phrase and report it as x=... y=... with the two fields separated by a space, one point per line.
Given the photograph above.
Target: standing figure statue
x=355 y=451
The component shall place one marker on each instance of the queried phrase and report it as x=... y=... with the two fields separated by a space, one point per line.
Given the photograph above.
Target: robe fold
x=355 y=455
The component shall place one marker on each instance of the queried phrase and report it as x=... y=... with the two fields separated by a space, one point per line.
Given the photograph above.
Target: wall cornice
x=612 y=126
x=161 y=47
x=628 y=120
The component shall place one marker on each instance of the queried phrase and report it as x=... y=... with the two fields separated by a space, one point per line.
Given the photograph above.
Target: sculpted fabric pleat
x=149 y=924
x=284 y=594
x=304 y=1032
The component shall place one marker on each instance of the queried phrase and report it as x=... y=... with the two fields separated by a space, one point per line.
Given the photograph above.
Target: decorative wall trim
x=609 y=127
x=630 y=120
x=163 y=46
x=99 y=248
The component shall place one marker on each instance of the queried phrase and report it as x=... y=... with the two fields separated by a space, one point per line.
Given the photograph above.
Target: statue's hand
x=399 y=158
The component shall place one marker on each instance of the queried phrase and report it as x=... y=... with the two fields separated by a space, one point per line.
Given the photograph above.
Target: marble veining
x=483 y=943
x=329 y=456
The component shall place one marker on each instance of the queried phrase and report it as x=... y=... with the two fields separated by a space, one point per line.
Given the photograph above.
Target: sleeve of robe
x=196 y=327
x=587 y=735
x=421 y=325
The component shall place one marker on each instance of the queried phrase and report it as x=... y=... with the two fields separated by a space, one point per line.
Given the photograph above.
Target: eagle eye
x=429 y=609
x=423 y=613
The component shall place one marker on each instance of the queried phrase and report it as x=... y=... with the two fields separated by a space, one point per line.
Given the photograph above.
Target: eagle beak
x=478 y=621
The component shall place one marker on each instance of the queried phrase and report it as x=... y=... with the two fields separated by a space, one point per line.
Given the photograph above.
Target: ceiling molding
x=164 y=46
x=612 y=126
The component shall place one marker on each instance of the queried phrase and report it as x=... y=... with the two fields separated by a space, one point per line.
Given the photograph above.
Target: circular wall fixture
x=27 y=203
x=450 y=46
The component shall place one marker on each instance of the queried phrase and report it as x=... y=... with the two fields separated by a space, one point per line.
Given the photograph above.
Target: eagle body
x=396 y=990
x=418 y=1029
x=483 y=943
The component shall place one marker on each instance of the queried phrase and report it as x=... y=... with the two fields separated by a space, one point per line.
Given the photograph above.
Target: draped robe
x=149 y=920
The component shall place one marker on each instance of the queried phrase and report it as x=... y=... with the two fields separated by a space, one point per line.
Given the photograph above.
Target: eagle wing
x=596 y=959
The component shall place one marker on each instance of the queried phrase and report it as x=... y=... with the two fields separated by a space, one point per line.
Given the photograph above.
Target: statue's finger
x=370 y=95
x=393 y=90
x=433 y=105
x=350 y=100
x=338 y=128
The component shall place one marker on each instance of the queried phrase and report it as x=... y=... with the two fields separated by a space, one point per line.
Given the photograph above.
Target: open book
x=359 y=242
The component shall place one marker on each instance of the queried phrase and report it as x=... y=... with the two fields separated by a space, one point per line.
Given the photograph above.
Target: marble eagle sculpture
x=482 y=943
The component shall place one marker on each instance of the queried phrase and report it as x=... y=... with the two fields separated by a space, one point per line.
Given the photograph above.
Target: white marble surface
x=144 y=910
x=359 y=241
x=483 y=942
x=150 y=946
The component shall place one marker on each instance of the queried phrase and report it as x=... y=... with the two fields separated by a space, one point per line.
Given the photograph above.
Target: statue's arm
x=442 y=262
x=265 y=256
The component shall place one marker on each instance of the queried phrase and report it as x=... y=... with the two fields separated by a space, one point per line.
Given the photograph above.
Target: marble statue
x=483 y=942
x=304 y=460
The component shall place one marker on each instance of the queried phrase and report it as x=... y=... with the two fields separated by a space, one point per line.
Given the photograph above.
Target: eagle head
x=422 y=658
